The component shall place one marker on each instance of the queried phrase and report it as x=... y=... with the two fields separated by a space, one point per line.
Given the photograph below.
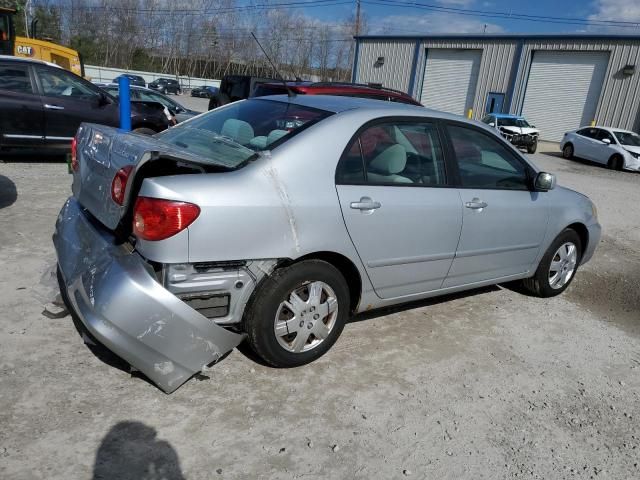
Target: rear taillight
x=74 y=154
x=157 y=219
x=119 y=184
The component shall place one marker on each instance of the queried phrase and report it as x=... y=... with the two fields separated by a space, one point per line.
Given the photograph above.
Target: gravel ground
x=490 y=384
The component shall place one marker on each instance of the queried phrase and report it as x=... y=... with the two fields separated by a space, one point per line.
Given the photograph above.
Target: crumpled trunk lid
x=101 y=152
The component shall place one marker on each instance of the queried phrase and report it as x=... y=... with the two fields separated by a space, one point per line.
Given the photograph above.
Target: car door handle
x=365 y=203
x=53 y=107
x=476 y=204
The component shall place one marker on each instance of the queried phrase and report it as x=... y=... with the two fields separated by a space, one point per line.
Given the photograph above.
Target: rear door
x=403 y=217
x=588 y=144
x=68 y=101
x=504 y=223
x=22 y=115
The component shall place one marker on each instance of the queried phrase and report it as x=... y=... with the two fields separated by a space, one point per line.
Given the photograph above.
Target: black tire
x=144 y=131
x=260 y=315
x=218 y=101
x=567 y=151
x=539 y=285
x=533 y=147
x=164 y=91
x=615 y=162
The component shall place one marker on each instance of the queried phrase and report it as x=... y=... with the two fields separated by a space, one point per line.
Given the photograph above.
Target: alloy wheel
x=306 y=317
x=563 y=265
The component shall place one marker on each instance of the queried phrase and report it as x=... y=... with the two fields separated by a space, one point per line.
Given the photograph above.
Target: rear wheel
x=144 y=131
x=567 y=151
x=298 y=313
x=558 y=266
x=615 y=162
x=533 y=147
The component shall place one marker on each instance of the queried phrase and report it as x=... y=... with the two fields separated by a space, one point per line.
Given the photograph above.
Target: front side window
x=602 y=134
x=484 y=162
x=15 y=78
x=402 y=153
x=232 y=135
x=59 y=83
x=628 y=138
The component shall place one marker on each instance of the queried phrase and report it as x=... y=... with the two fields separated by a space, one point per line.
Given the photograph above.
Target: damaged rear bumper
x=115 y=294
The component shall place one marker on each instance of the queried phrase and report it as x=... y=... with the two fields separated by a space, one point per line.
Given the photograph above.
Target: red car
x=335 y=88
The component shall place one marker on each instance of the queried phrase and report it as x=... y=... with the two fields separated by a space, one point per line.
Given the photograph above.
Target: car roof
x=506 y=115
x=28 y=60
x=338 y=104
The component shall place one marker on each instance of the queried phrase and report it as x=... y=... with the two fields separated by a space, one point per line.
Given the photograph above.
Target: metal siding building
x=512 y=71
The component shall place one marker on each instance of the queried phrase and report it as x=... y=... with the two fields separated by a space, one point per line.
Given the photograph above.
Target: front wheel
x=615 y=162
x=297 y=313
x=558 y=266
x=532 y=147
x=144 y=131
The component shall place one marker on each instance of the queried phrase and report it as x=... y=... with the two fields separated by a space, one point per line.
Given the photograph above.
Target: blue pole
x=125 y=103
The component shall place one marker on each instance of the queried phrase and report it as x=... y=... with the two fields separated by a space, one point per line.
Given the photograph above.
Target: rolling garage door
x=450 y=79
x=563 y=90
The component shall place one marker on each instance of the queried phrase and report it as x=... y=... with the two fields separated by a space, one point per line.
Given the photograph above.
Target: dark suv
x=135 y=80
x=43 y=105
x=275 y=87
x=166 y=85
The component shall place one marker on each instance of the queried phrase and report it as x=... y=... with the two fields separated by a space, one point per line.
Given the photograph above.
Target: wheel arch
x=346 y=267
x=583 y=233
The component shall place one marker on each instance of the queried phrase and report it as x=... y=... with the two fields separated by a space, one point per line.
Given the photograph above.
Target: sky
x=394 y=18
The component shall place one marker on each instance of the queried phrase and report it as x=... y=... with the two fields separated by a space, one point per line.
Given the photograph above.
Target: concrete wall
x=107 y=74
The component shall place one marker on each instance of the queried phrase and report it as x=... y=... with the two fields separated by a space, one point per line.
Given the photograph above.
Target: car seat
x=384 y=168
x=238 y=130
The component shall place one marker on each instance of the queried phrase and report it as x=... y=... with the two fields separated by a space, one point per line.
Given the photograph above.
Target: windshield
x=513 y=122
x=233 y=134
x=628 y=138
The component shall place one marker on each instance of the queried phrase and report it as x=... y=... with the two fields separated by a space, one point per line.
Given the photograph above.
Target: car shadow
x=381 y=312
x=132 y=451
x=8 y=192
x=576 y=160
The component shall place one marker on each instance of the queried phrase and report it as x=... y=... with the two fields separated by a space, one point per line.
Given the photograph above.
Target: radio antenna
x=290 y=92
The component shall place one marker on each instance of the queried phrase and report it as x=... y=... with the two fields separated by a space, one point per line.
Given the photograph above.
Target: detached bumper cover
x=120 y=302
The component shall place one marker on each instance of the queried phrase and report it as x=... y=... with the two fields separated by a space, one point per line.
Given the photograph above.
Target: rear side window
x=483 y=162
x=588 y=132
x=60 y=83
x=15 y=78
x=394 y=153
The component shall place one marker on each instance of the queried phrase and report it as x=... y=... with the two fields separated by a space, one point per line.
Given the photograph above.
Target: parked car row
x=239 y=87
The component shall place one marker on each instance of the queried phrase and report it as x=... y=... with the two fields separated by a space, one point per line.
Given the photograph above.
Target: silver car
x=275 y=219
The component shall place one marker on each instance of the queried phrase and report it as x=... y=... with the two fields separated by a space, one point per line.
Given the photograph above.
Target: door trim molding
x=406 y=260
x=489 y=251
x=15 y=135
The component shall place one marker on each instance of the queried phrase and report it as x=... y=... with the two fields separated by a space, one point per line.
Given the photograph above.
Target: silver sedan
x=276 y=219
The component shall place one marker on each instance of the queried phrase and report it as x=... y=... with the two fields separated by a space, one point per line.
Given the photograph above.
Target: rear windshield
x=237 y=132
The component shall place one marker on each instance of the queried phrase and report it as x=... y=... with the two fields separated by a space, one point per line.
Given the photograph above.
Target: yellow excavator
x=10 y=44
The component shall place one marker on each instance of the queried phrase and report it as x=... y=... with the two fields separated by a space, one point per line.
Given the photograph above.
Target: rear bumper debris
x=118 y=298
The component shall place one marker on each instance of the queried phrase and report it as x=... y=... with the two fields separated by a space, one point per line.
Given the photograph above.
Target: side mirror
x=103 y=99
x=544 y=182
x=606 y=141
x=491 y=124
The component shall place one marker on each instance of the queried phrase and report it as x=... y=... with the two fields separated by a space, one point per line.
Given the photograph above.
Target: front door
x=403 y=218
x=68 y=101
x=21 y=117
x=504 y=222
